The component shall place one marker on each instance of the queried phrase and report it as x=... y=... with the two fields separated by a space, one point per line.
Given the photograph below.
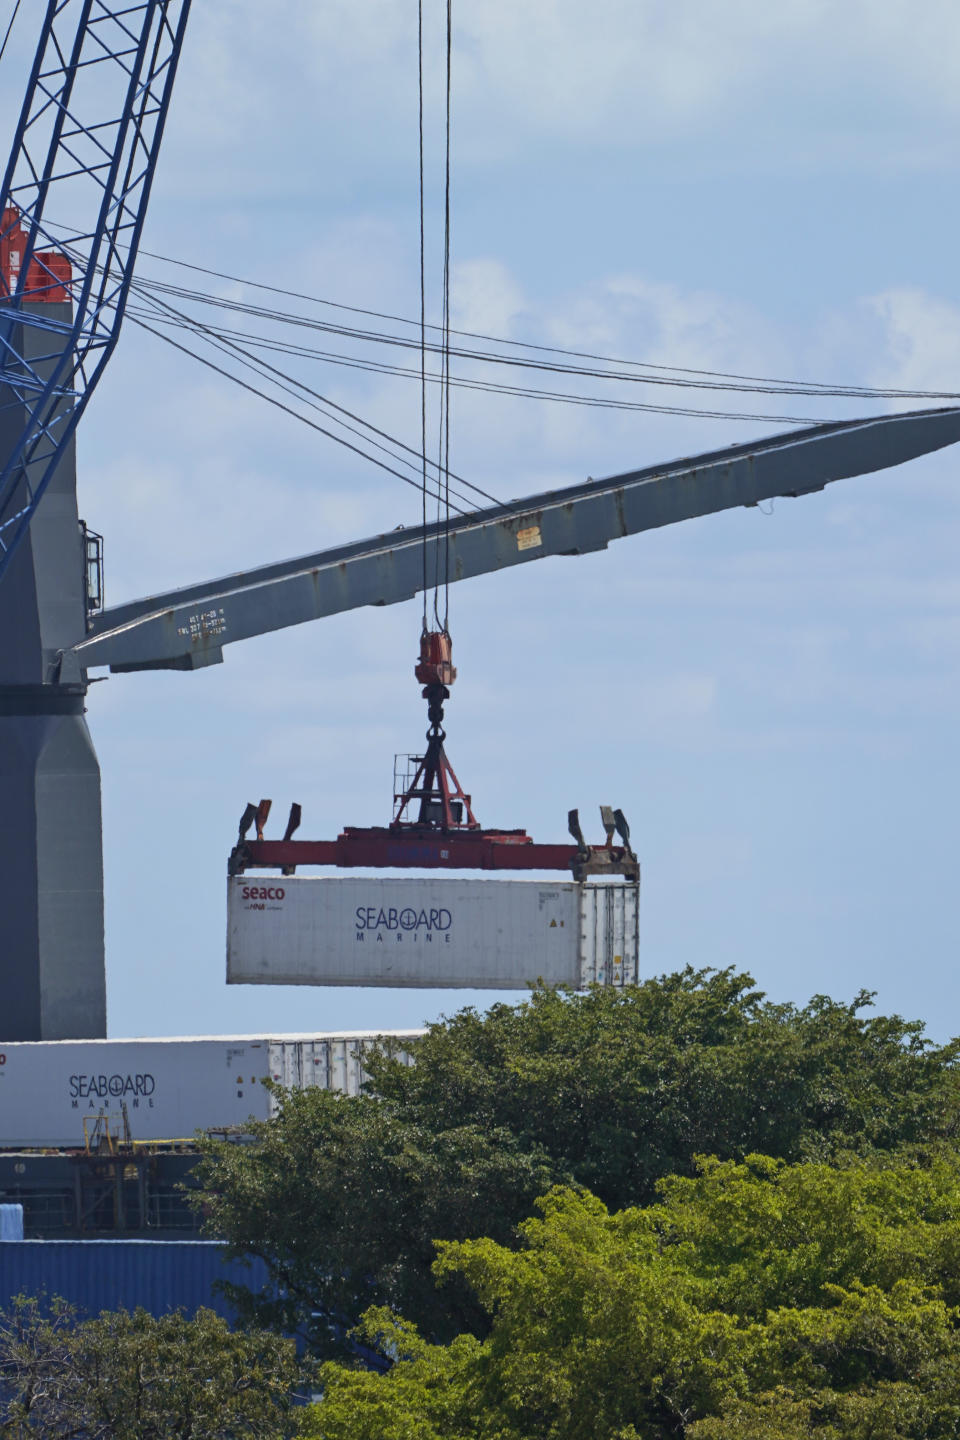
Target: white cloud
x=921 y=340
x=485 y=297
x=301 y=97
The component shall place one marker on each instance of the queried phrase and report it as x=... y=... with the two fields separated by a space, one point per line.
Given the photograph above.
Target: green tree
x=612 y=1090
x=126 y=1376
x=755 y=1300
x=343 y=1199
x=622 y=1087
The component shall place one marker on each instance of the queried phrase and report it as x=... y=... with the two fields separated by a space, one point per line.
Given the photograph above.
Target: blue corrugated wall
x=95 y=1275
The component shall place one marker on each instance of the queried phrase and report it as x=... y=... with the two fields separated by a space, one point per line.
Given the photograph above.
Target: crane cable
x=3 y=43
x=162 y=312
x=423 y=317
x=441 y=542
x=657 y=373
x=382 y=367
x=652 y=374
x=445 y=388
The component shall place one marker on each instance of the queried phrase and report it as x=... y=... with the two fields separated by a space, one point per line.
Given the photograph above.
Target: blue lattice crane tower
x=84 y=153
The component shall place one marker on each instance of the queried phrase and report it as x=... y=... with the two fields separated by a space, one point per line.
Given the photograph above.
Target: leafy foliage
x=612 y=1090
x=622 y=1087
x=756 y=1300
x=343 y=1199
x=126 y=1376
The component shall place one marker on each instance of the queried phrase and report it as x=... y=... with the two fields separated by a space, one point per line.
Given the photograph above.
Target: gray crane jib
x=188 y=628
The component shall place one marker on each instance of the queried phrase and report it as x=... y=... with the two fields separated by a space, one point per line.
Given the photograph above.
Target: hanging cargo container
x=483 y=934
x=53 y=1091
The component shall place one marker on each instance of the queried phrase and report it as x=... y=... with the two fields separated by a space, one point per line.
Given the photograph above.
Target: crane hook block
x=436 y=665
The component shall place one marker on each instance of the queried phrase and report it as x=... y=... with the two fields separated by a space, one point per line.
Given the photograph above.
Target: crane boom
x=186 y=629
x=85 y=149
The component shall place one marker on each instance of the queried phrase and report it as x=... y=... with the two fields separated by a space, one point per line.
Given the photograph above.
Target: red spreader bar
x=385 y=849
x=412 y=847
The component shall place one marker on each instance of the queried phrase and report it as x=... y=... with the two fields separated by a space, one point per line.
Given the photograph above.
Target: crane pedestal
x=51 y=871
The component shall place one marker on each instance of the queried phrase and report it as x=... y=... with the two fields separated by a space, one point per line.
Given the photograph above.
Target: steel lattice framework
x=84 y=152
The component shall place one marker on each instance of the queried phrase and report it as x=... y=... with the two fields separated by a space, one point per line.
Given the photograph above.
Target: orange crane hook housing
x=436 y=659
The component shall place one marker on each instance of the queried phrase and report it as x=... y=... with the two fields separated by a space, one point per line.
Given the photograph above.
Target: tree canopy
x=129 y=1376
x=609 y=1090
x=754 y=1300
x=622 y=1087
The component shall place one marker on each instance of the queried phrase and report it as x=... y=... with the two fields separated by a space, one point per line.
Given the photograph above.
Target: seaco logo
x=425 y=925
x=96 y=1088
x=257 y=895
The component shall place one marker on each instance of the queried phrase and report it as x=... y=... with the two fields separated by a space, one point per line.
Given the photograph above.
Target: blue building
x=93 y=1275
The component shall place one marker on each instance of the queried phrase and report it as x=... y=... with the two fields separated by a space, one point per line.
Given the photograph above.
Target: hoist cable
x=423 y=314
x=446 y=333
x=442 y=572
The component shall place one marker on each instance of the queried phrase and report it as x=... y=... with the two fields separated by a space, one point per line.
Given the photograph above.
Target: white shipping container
x=472 y=934
x=170 y=1088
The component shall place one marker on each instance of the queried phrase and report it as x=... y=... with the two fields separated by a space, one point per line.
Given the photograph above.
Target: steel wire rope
x=288 y=383
x=441 y=574
x=423 y=314
x=776 y=386
x=442 y=392
x=802 y=386
x=805 y=387
x=446 y=388
x=492 y=387
x=272 y=400
x=486 y=386
x=565 y=397
x=811 y=389
x=3 y=43
x=285 y=381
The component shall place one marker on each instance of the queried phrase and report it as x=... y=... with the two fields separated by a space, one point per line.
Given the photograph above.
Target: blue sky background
x=773 y=699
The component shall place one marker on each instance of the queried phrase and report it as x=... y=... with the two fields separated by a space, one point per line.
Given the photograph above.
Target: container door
x=284 y=1068
x=609 y=939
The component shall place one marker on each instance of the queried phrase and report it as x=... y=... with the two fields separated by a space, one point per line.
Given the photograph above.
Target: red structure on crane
x=442 y=799
x=49 y=273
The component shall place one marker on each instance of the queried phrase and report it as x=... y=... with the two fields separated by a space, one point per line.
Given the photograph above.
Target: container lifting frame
x=446 y=834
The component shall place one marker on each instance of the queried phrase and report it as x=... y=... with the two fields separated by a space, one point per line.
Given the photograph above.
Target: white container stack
x=169 y=1088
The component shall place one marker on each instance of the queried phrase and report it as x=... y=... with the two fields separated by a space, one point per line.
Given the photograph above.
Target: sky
x=773 y=699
